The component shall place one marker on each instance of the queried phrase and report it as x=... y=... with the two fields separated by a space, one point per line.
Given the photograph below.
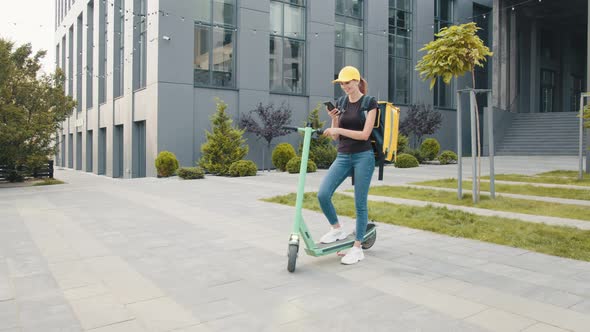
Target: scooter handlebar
x=293 y=128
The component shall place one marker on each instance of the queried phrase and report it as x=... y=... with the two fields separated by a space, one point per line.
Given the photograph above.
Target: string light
x=143 y=19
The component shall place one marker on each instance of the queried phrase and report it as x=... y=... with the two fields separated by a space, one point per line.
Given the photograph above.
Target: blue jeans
x=363 y=164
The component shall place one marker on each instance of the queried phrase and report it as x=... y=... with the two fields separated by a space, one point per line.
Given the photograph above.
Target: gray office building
x=146 y=73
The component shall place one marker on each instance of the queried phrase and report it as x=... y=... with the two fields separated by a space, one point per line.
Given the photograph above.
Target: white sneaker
x=334 y=235
x=354 y=255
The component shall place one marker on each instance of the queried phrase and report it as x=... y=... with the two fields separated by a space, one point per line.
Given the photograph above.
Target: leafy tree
x=421 y=120
x=272 y=120
x=224 y=146
x=32 y=107
x=455 y=51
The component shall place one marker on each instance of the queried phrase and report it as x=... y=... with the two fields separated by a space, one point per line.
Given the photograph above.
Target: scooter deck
x=324 y=248
x=345 y=242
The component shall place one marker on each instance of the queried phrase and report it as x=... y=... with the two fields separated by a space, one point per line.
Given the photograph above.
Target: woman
x=355 y=153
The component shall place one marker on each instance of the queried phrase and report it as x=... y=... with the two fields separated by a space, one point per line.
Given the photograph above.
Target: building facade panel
x=146 y=72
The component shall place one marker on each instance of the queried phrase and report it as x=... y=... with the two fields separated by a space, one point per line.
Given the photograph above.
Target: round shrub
x=323 y=156
x=430 y=148
x=416 y=154
x=190 y=173
x=243 y=168
x=405 y=160
x=447 y=157
x=402 y=143
x=281 y=155
x=166 y=164
x=295 y=163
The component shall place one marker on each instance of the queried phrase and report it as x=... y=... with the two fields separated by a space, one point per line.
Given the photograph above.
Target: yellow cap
x=348 y=74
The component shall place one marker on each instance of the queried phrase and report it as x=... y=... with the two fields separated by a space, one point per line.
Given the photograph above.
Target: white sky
x=30 y=21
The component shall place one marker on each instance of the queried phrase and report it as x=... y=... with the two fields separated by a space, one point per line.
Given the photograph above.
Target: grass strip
x=507 y=204
x=553 y=240
x=523 y=189
x=553 y=177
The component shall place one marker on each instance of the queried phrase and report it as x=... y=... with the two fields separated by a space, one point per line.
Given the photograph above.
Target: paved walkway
x=152 y=254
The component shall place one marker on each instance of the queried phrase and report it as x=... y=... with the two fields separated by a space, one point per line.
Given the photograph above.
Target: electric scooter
x=300 y=230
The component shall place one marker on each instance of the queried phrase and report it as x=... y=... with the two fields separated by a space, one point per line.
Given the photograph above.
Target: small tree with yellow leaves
x=455 y=51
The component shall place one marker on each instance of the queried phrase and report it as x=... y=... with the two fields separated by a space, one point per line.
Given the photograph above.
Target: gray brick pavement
x=164 y=254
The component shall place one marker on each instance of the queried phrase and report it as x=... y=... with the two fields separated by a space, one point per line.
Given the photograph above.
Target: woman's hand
x=334 y=113
x=333 y=133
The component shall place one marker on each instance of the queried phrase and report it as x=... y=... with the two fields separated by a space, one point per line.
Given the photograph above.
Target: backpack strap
x=365 y=102
x=342 y=103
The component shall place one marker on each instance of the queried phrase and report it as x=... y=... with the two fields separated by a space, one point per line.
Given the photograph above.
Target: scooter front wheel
x=293 y=249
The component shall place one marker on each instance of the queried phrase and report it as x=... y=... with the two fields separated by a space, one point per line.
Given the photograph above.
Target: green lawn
x=524 y=189
x=553 y=177
x=553 y=240
x=500 y=203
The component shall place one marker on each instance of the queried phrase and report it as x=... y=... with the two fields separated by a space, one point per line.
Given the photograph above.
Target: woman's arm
x=334 y=114
x=358 y=134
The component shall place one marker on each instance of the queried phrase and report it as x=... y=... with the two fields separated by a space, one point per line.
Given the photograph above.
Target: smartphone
x=329 y=105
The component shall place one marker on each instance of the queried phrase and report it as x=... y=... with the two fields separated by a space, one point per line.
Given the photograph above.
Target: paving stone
x=448 y=304
x=583 y=307
x=540 y=327
x=500 y=321
x=162 y=314
x=127 y=326
x=8 y=315
x=99 y=311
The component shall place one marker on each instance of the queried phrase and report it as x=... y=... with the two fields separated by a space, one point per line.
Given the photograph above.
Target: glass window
x=443 y=17
x=352 y=8
x=287 y=46
x=349 y=37
x=89 y=54
x=215 y=41
x=140 y=54
x=223 y=51
x=224 y=12
x=201 y=55
x=400 y=50
x=120 y=43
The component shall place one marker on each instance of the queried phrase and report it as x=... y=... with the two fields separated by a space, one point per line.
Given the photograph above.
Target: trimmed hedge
x=190 y=173
x=243 y=168
x=405 y=160
x=281 y=155
x=294 y=165
x=166 y=164
x=447 y=157
x=430 y=149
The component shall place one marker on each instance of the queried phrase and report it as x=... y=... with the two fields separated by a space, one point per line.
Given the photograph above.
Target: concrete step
x=541 y=134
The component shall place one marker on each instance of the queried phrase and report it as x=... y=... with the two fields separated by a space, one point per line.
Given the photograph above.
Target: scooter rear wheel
x=293 y=249
x=370 y=241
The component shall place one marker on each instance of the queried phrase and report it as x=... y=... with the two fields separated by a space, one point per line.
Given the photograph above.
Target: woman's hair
x=363 y=86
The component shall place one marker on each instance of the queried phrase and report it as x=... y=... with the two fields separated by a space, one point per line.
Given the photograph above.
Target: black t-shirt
x=351 y=119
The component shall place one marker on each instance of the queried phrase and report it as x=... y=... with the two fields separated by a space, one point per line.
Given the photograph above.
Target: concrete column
x=496 y=58
x=503 y=55
x=534 y=72
x=512 y=93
